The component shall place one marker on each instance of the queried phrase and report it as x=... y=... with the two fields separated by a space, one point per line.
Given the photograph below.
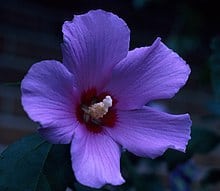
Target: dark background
x=30 y=31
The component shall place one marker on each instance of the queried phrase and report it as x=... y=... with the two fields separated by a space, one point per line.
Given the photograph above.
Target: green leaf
x=58 y=169
x=21 y=165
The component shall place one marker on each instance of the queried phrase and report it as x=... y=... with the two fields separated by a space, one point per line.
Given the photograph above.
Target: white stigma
x=98 y=110
x=107 y=102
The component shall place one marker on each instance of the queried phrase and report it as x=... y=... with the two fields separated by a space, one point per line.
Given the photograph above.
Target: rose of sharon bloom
x=95 y=99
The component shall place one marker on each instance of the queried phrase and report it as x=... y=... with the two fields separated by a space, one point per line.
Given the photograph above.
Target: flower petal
x=48 y=97
x=93 y=44
x=95 y=159
x=57 y=135
x=146 y=74
x=146 y=132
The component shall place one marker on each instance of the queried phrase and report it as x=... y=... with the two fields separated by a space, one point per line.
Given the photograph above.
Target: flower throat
x=96 y=111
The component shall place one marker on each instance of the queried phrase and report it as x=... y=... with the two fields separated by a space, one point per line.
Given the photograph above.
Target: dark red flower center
x=88 y=99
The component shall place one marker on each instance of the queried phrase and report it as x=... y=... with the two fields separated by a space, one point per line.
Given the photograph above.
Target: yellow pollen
x=98 y=110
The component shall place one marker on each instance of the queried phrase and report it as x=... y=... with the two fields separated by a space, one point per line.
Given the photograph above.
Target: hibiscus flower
x=96 y=98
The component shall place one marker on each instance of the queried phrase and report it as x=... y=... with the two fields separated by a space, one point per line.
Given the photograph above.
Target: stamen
x=98 y=110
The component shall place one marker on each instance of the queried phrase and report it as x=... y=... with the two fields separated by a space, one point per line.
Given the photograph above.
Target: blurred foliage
x=212 y=177
x=138 y=4
x=202 y=141
x=190 y=28
x=183 y=175
x=214 y=64
x=11 y=84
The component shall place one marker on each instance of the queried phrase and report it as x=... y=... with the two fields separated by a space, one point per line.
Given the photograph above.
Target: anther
x=98 y=110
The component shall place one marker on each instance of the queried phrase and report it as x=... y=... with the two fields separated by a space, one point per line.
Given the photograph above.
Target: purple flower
x=95 y=99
